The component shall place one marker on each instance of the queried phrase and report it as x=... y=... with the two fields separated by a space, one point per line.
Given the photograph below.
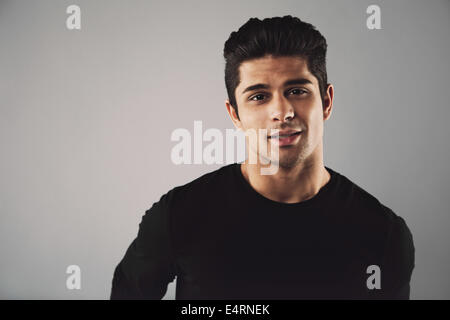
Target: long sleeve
x=399 y=262
x=148 y=265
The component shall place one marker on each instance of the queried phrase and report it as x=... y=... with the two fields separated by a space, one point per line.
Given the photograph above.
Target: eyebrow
x=287 y=83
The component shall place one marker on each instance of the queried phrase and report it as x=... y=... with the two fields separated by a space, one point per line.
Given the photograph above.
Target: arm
x=148 y=265
x=399 y=262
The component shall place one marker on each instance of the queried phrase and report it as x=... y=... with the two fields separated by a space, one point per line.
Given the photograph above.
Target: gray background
x=86 y=118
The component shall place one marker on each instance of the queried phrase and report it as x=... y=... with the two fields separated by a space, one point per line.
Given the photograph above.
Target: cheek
x=253 y=118
x=317 y=121
x=313 y=118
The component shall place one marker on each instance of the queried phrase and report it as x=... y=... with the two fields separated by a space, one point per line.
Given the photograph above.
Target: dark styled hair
x=277 y=36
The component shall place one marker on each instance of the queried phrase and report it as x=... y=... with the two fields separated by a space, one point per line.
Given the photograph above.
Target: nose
x=282 y=109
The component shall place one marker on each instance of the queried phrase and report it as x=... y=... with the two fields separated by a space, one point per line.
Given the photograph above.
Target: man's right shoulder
x=202 y=187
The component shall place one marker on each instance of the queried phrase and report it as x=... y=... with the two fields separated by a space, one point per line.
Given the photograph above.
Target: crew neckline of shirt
x=305 y=203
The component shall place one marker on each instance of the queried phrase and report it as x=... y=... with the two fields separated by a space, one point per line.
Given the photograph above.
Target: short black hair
x=277 y=36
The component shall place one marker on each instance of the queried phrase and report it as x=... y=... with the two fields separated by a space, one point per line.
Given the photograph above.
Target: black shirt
x=224 y=240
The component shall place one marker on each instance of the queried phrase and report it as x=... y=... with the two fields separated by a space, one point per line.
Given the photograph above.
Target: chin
x=287 y=161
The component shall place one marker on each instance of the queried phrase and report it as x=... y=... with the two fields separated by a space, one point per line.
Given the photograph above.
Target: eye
x=257 y=97
x=297 y=91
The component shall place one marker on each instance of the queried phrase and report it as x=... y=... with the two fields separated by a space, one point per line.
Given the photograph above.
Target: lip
x=285 y=132
x=286 y=141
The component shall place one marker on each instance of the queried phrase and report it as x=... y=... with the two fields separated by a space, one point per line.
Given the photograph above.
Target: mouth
x=282 y=136
x=285 y=139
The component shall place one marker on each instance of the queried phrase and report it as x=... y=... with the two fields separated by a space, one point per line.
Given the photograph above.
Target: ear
x=233 y=115
x=328 y=102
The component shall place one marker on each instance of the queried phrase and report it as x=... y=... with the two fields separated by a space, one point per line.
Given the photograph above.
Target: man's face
x=281 y=93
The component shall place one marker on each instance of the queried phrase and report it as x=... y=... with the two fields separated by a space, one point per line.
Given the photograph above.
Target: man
x=304 y=232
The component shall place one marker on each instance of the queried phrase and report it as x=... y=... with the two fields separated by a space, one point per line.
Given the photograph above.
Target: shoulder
x=374 y=221
x=199 y=188
x=186 y=198
x=379 y=231
x=361 y=204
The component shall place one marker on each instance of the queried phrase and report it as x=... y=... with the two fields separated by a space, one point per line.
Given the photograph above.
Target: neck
x=289 y=185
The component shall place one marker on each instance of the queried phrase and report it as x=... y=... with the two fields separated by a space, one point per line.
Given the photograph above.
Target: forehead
x=273 y=70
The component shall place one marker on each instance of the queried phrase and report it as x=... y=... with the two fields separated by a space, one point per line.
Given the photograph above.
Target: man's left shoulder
x=389 y=238
x=364 y=204
x=365 y=212
x=382 y=236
